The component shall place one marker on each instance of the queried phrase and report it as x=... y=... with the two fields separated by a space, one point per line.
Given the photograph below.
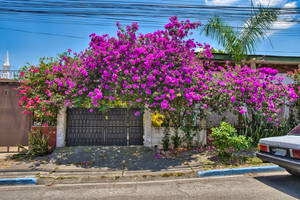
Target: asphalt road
x=264 y=186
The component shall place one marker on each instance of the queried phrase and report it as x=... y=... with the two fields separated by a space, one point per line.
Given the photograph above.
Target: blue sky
x=31 y=29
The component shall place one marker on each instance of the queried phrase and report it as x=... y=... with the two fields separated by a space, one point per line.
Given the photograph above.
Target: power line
x=44 y=33
x=120 y=10
x=92 y=7
x=87 y=12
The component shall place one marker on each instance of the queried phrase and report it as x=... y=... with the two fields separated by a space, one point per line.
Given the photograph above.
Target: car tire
x=293 y=172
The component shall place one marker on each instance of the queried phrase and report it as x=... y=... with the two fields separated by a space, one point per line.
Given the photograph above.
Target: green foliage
x=188 y=135
x=258 y=127
x=38 y=144
x=175 y=139
x=227 y=141
x=239 y=43
x=167 y=174
x=217 y=51
x=295 y=76
x=166 y=139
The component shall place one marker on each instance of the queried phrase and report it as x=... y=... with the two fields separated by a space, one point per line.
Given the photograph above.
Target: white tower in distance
x=6 y=65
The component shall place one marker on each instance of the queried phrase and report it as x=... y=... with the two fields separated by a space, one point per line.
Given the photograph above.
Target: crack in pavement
x=182 y=191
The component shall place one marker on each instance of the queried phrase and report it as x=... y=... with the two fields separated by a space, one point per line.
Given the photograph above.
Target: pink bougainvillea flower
x=243 y=111
x=233 y=99
x=158 y=70
x=164 y=104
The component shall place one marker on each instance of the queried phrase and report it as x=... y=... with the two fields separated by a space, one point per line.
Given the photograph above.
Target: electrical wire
x=43 y=33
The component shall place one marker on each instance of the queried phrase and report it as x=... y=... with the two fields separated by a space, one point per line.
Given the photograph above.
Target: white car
x=283 y=151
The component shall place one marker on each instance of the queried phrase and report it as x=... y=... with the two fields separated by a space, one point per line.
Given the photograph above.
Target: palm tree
x=240 y=43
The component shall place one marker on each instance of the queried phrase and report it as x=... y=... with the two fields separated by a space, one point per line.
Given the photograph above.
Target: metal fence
x=9 y=74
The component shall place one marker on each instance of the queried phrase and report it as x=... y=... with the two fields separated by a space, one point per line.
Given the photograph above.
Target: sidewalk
x=106 y=164
x=103 y=159
x=102 y=164
x=61 y=175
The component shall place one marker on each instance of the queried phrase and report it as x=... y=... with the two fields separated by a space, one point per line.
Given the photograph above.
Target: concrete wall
x=153 y=135
x=61 y=128
x=214 y=119
x=157 y=133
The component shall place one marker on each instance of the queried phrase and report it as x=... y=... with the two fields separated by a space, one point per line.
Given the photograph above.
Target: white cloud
x=285 y=19
x=291 y=5
x=281 y=25
x=220 y=2
x=269 y=3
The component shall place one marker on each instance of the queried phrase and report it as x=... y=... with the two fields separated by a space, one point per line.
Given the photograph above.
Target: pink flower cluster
x=160 y=70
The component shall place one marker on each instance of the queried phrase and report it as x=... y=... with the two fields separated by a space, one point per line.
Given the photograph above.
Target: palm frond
x=217 y=30
x=256 y=28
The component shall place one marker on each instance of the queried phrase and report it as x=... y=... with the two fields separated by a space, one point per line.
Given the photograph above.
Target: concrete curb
x=237 y=171
x=18 y=181
x=86 y=171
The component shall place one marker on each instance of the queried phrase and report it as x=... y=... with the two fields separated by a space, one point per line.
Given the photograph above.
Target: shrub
x=189 y=133
x=188 y=139
x=157 y=70
x=227 y=141
x=36 y=96
x=166 y=140
x=176 y=139
x=38 y=144
x=258 y=126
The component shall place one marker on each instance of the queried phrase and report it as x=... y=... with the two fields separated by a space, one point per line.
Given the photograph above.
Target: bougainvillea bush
x=295 y=76
x=157 y=71
x=36 y=96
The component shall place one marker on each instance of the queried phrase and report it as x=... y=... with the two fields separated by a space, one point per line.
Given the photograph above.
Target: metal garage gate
x=118 y=126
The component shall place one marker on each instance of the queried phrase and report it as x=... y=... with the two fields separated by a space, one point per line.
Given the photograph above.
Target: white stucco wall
x=157 y=133
x=153 y=135
x=61 y=127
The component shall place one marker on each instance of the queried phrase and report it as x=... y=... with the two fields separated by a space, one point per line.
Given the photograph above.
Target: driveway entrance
x=118 y=126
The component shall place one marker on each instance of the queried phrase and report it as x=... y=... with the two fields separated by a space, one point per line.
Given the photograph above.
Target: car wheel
x=293 y=172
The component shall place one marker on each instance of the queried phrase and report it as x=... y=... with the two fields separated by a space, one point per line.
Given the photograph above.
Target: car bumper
x=282 y=162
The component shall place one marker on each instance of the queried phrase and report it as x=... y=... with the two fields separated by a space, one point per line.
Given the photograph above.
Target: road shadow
x=287 y=184
x=113 y=157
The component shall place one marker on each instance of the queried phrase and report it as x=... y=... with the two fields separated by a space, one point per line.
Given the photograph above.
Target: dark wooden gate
x=14 y=125
x=118 y=126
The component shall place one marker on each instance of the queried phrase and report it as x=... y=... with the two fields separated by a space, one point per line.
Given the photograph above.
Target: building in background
x=6 y=65
x=6 y=72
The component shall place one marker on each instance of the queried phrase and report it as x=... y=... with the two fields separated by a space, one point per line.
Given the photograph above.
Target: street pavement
x=269 y=186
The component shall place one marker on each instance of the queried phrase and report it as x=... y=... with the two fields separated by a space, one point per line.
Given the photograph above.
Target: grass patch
x=65 y=177
x=178 y=174
x=210 y=160
x=58 y=177
x=21 y=157
x=167 y=174
x=254 y=161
